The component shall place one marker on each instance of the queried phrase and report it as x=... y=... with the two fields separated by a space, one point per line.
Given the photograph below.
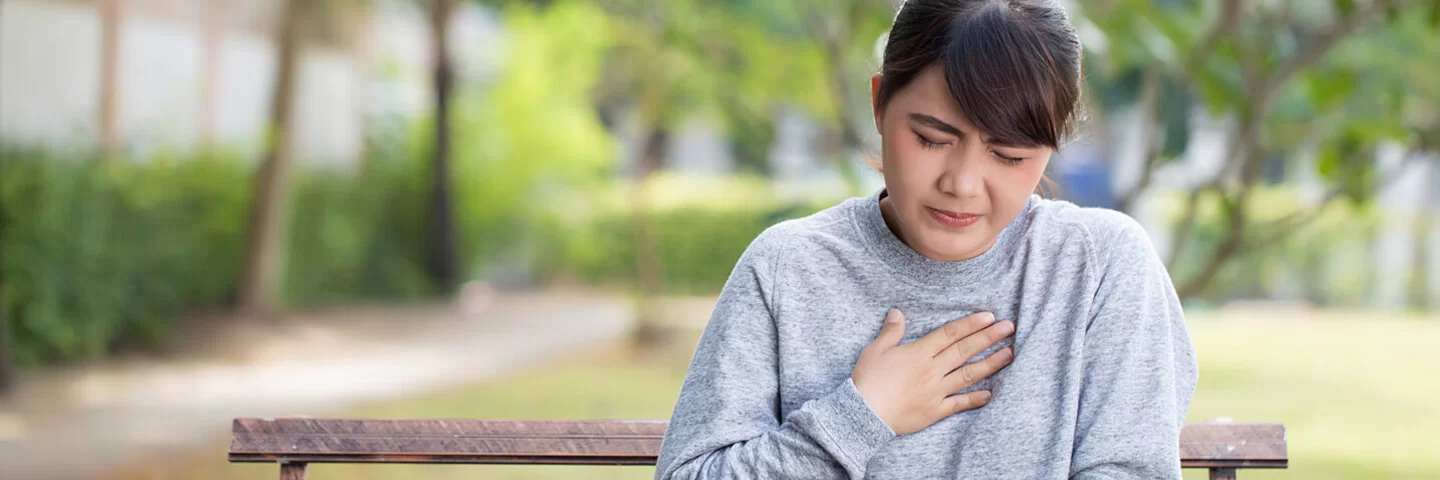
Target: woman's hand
x=910 y=385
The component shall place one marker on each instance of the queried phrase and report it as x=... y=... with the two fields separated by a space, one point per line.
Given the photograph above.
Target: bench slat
x=603 y=442
x=1248 y=445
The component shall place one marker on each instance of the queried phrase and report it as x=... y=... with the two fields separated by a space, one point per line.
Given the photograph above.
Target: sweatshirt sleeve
x=1139 y=365
x=726 y=421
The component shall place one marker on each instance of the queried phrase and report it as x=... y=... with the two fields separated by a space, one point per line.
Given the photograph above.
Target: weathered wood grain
x=1221 y=447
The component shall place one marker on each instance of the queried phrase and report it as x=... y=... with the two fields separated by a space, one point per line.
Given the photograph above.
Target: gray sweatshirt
x=1102 y=375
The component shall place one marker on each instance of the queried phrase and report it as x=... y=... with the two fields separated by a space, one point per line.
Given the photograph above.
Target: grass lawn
x=1360 y=394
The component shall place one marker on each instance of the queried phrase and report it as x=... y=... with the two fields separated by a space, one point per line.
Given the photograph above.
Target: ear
x=875 y=100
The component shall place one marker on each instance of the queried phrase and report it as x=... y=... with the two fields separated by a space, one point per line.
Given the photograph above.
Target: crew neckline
x=911 y=264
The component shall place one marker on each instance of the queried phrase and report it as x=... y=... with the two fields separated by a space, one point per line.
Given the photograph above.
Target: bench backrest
x=294 y=442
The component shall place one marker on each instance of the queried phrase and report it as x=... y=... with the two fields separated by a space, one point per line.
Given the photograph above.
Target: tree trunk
x=834 y=29
x=269 y=213
x=442 y=226
x=214 y=32
x=5 y=369
x=1419 y=267
x=649 y=258
x=1151 y=118
x=110 y=23
x=363 y=49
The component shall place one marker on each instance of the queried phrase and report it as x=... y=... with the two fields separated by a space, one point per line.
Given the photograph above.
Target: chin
x=951 y=250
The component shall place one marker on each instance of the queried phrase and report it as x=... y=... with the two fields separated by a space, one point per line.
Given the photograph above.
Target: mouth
x=952 y=219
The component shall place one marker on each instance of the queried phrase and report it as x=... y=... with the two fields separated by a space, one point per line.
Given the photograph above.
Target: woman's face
x=951 y=191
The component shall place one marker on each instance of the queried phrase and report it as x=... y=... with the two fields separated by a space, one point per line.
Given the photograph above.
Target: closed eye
x=1008 y=160
x=926 y=143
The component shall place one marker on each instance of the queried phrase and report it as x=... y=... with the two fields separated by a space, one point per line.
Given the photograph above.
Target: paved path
x=77 y=423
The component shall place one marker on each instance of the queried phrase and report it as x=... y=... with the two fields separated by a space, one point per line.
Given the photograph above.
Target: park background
x=524 y=209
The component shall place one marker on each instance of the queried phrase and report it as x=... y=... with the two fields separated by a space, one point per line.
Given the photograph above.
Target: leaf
x=1218 y=92
x=1345 y=7
x=1327 y=161
x=1328 y=89
x=1374 y=130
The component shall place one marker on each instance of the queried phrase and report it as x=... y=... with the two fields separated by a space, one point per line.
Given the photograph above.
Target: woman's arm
x=725 y=424
x=1139 y=365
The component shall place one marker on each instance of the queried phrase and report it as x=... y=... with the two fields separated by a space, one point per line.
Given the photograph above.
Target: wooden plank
x=1249 y=445
x=602 y=442
x=564 y=442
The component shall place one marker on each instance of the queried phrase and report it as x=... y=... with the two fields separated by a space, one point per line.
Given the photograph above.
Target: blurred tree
x=111 y=21
x=845 y=35
x=264 y=257
x=443 y=262
x=1270 y=68
x=213 y=31
x=1420 y=264
x=6 y=370
x=651 y=72
x=542 y=138
x=739 y=62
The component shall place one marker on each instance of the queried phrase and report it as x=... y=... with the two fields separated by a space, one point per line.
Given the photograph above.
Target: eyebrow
x=940 y=125
x=936 y=123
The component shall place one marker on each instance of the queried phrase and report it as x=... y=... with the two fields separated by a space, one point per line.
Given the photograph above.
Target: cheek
x=906 y=165
x=1020 y=180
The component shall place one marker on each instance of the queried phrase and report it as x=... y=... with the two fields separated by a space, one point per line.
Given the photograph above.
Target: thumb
x=893 y=330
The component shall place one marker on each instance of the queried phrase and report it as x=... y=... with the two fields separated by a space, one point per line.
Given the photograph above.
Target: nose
x=963 y=176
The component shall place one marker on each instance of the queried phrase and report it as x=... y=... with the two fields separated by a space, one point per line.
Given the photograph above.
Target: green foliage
x=102 y=253
x=699 y=245
x=532 y=134
x=1326 y=261
x=358 y=237
x=703 y=226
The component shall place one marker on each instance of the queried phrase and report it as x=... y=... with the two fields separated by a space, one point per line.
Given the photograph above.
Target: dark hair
x=1013 y=66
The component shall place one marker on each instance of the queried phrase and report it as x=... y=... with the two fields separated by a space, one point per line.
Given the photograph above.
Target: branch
x=1227 y=248
x=1236 y=154
x=1236 y=208
x=1315 y=47
x=1229 y=19
x=1181 y=236
x=1279 y=229
x=1235 y=241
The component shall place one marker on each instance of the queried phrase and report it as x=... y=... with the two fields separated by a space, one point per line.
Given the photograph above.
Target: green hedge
x=357 y=238
x=699 y=244
x=101 y=253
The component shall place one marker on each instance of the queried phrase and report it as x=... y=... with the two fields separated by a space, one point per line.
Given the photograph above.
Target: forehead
x=929 y=93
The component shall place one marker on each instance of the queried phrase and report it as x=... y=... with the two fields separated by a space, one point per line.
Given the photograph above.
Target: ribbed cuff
x=847 y=427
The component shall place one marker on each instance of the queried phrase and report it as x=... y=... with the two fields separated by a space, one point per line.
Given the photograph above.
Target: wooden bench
x=296 y=442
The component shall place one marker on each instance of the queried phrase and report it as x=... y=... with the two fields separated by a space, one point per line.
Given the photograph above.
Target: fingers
x=892 y=331
x=969 y=374
x=961 y=351
x=940 y=339
x=966 y=401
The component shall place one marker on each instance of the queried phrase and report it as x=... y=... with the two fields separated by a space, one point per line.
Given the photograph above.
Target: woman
x=837 y=346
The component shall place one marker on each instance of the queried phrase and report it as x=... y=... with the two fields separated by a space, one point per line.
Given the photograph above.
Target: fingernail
x=1007 y=354
x=1008 y=326
x=983 y=395
x=987 y=317
x=893 y=316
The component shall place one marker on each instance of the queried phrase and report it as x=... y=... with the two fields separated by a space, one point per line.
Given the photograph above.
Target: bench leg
x=1222 y=474
x=292 y=471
